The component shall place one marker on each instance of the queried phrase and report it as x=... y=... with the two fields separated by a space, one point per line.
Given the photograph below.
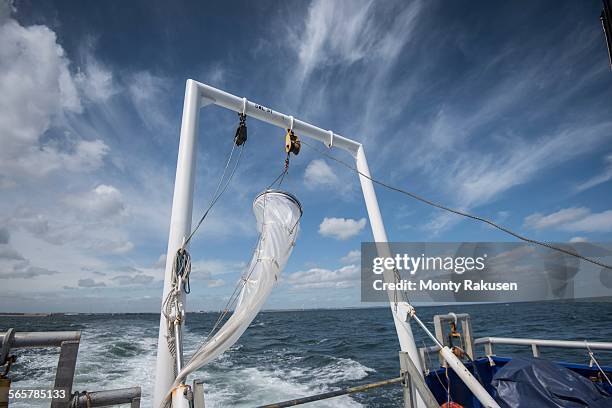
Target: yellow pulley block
x=292 y=142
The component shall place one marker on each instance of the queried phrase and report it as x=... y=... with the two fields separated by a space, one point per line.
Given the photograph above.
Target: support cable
x=238 y=287
x=594 y=360
x=217 y=194
x=459 y=212
x=172 y=307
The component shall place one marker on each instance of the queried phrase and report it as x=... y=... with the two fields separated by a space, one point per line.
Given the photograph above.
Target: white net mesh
x=278 y=215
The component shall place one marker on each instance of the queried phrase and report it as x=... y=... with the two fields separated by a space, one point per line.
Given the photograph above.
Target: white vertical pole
x=404 y=332
x=180 y=228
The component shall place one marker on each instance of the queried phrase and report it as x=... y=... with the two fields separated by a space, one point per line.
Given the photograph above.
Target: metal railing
x=110 y=397
x=68 y=342
x=410 y=378
x=331 y=394
x=535 y=344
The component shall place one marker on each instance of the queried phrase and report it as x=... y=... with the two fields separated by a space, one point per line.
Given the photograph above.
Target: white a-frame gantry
x=198 y=95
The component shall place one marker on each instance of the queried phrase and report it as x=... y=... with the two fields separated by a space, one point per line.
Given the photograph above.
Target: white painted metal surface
x=198 y=94
x=180 y=227
x=595 y=345
x=179 y=397
x=402 y=326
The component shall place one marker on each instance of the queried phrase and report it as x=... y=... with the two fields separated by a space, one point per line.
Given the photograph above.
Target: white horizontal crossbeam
x=218 y=97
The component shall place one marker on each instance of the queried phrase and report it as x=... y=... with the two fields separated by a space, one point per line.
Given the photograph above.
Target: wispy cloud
x=600 y=178
x=95 y=81
x=453 y=108
x=318 y=174
x=575 y=219
x=148 y=92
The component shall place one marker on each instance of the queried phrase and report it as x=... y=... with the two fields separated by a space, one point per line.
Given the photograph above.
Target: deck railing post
x=5 y=386
x=413 y=380
x=198 y=394
x=135 y=402
x=64 y=375
x=407 y=390
x=466 y=326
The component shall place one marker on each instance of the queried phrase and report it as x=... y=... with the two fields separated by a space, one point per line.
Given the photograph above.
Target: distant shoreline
x=30 y=314
x=604 y=299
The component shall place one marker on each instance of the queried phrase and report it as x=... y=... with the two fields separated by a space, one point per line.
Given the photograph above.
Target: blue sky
x=503 y=110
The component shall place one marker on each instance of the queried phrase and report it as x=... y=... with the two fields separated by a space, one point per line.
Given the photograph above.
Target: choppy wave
x=283 y=355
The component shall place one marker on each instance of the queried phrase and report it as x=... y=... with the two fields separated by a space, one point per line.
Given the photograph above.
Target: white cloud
x=67 y=226
x=341 y=228
x=578 y=239
x=316 y=278
x=352 y=257
x=37 y=89
x=213 y=267
x=215 y=283
x=90 y=283
x=161 y=262
x=573 y=219
x=21 y=269
x=485 y=179
x=206 y=270
x=319 y=174
x=345 y=32
x=133 y=280
x=358 y=44
x=596 y=222
x=102 y=202
x=601 y=178
x=8 y=252
x=477 y=182
x=5 y=236
x=95 y=81
x=556 y=219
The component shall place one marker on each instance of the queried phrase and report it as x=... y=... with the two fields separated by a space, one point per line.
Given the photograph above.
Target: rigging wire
x=278 y=179
x=172 y=306
x=282 y=175
x=459 y=212
x=594 y=360
x=231 y=302
x=217 y=194
x=445 y=387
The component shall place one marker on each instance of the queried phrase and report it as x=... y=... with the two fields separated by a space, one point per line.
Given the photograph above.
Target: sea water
x=290 y=354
